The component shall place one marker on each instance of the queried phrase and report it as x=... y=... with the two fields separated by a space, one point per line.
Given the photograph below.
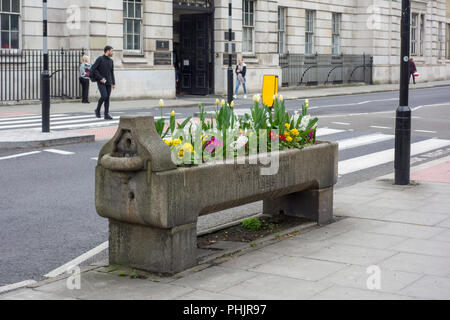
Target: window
x=9 y=24
x=309 y=32
x=281 y=30
x=440 y=40
x=248 y=25
x=132 y=21
x=414 y=33
x=422 y=34
x=448 y=41
x=336 y=33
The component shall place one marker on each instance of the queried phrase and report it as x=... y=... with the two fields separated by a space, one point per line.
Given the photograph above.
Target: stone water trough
x=153 y=205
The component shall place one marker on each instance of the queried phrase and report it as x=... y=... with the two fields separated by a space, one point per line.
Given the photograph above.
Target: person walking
x=241 y=70
x=412 y=70
x=102 y=71
x=85 y=69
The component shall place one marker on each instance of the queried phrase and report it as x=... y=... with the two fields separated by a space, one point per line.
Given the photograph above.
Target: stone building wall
x=367 y=26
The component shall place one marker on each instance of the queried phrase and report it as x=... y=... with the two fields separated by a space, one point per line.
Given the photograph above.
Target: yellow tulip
x=161 y=103
x=232 y=104
x=172 y=114
x=222 y=103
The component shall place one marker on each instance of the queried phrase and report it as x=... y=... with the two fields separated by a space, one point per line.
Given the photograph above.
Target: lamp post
x=403 y=116
x=45 y=77
x=230 y=53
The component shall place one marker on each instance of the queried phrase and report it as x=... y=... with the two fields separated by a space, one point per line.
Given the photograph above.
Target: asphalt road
x=47 y=199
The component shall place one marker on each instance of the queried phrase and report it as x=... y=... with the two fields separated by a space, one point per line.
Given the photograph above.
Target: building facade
x=166 y=47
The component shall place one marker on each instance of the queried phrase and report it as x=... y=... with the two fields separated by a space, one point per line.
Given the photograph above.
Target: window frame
x=414 y=34
x=336 y=33
x=9 y=30
x=248 y=26
x=309 y=31
x=134 y=19
x=282 y=29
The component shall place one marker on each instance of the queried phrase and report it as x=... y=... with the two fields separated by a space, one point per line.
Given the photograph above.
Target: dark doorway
x=195 y=53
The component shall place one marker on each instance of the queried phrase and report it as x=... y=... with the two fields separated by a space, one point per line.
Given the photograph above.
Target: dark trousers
x=84 y=90
x=105 y=92
x=411 y=74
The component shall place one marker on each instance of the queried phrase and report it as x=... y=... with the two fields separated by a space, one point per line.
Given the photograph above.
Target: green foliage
x=252 y=224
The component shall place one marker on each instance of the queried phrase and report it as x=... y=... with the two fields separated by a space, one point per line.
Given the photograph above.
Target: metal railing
x=309 y=70
x=20 y=74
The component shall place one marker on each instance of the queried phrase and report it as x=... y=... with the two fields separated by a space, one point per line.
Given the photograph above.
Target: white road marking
x=65 y=153
x=327 y=131
x=30 y=121
x=386 y=156
x=425 y=131
x=17 y=285
x=100 y=123
x=363 y=140
x=29 y=117
x=342 y=123
x=20 y=155
x=77 y=261
x=379 y=127
x=95 y=159
x=52 y=123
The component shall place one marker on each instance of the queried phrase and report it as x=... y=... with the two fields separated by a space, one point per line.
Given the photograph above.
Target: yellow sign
x=270 y=88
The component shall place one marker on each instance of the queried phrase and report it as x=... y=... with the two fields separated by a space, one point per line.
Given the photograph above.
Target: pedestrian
x=241 y=70
x=102 y=71
x=85 y=69
x=412 y=70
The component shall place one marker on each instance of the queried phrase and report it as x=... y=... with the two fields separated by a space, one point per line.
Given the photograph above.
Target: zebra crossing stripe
x=375 y=159
x=363 y=140
x=20 y=155
x=39 y=119
x=62 y=152
x=327 y=131
x=29 y=117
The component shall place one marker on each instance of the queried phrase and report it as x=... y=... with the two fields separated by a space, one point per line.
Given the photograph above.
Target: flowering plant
x=227 y=136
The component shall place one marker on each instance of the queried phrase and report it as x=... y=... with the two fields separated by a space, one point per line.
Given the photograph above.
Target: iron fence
x=302 y=70
x=20 y=74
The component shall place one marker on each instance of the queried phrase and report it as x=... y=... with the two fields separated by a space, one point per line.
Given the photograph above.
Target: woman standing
x=412 y=70
x=85 y=68
x=241 y=70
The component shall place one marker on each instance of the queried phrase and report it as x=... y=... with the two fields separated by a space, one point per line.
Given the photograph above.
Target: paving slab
x=425 y=247
x=429 y=287
x=367 y=239
x=35 y=138
x=352 y=255
x=299 y=268
x=344 y=293
x=417 y=263
x=272 y=287
x=407 y=230
x=215 y=279
x=417 y=218
x=357 y=277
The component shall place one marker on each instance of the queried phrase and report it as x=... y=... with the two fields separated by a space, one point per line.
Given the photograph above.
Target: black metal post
x=403 y=118
x=230 y=53
x=45 y=77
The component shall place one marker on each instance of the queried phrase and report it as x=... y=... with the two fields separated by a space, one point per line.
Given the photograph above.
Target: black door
x=194 y=53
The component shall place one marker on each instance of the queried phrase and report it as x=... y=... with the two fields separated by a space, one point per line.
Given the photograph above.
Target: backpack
x=92 y=72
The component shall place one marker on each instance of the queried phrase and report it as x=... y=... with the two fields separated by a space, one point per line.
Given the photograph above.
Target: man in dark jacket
x=412 y=70
x=103 y=72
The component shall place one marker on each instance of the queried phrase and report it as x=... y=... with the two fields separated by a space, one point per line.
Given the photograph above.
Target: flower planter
x=153 y=206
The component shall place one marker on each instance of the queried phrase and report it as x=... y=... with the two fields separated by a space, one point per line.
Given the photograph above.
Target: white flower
x=239 y=143
x=256 y=98
x=281 y=98
x=305 y=122
x=161 y=103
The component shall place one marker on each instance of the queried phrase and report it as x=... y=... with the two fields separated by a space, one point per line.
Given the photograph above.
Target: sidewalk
x=399 y=233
